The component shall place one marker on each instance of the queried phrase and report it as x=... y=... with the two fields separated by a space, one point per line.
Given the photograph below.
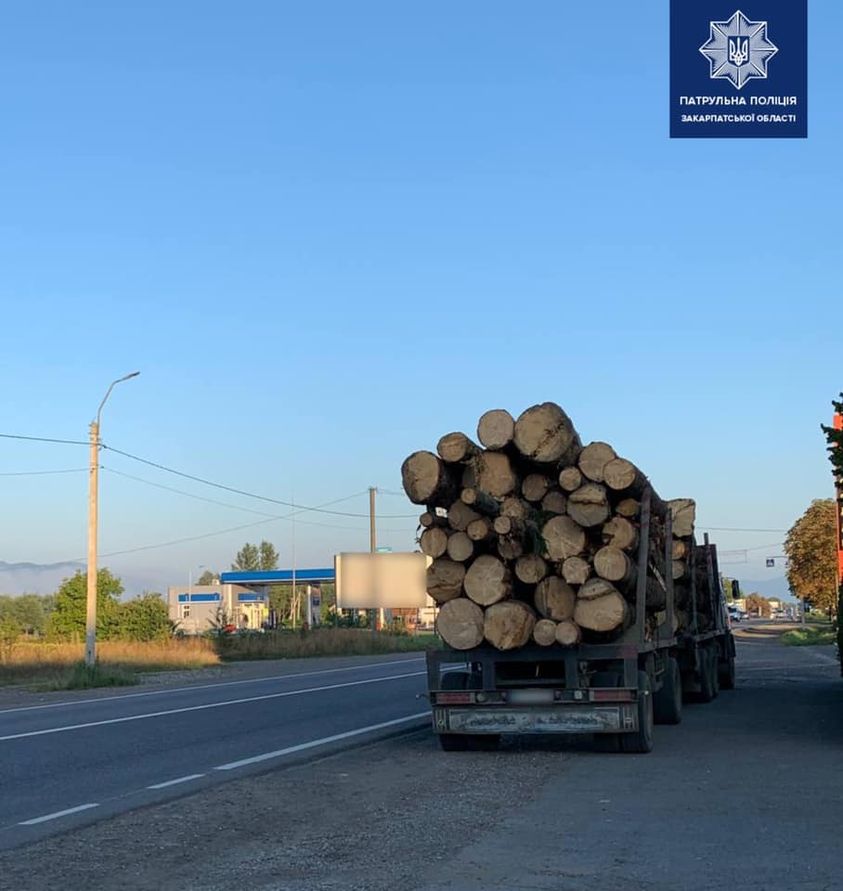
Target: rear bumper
x=571 y=719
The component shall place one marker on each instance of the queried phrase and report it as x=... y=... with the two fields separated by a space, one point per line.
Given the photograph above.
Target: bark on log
x=496 y=429
x=554 y=503
x=480 y=529
x=426 y=479
x=593 y=458
x=454 y=448
x=614 y=565
x=460 y=624
x=555 y=598
x=480 y=501
x=460 y=515
x=488 y=580
x=493 y=473
x=535 y=486
x=628 y=508
x=530 y=569
x=576 y=571
x=570 y=479
x=544 y=633
x=460 y=547
x=431 y=518
x=568 y=634
x=434 y=542
x=683 y=512
x=543 y=433
x=602 y=614
x=509 y=625
x=589 y=505
x=620 y=533
x=563 y=538
x=510 y=547
x=445 y=579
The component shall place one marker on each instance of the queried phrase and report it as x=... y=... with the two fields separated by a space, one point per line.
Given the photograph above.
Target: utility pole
x=93 y=506
x=377 y=614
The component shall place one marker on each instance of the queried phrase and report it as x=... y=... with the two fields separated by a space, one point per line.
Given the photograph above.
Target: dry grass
x=321 y=642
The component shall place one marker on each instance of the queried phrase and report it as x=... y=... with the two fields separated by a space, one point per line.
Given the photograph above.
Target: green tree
x=254 y=557
x=143 y=618
x=811 y=548
x=755 y=603
x=207 y=578
x=68 y=616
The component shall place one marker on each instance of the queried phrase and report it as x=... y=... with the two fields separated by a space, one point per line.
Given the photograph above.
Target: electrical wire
x=43 y=439
x=733 y=529
x=43 y=472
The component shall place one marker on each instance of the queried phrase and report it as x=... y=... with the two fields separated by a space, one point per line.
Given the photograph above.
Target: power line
x=43 y=439
x=43 y=472
x=236 y=491
x=733 y=529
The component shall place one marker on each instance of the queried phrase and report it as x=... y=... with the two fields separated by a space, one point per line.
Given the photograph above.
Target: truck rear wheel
x=708 y=674
x=641 y=741
x=727 y=674
x=667 y=702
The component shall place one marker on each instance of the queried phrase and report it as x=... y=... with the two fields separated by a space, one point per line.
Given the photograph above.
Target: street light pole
x=93 y=505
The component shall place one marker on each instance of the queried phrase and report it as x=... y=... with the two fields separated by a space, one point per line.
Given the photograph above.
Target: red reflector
x=454 y=698
x=612 y=695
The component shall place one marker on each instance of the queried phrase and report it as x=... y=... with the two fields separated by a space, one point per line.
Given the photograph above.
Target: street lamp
x=93 y=495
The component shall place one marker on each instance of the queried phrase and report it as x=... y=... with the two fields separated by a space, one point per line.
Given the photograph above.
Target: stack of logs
x=535 y=537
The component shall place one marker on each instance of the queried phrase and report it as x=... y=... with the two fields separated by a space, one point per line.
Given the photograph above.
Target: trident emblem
x=738 y=50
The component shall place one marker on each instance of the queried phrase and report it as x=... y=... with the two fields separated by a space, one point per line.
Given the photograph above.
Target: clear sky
x=328 y=232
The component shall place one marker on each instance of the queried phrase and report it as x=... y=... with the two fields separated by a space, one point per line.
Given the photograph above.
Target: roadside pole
x=373 y=547
x=91 y=597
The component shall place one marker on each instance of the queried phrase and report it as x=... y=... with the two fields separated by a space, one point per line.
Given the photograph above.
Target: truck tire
x=641 y=741
x=464 y=742
x=667 y=702
x=708 y=673
x=714 y=655
x=727 y=674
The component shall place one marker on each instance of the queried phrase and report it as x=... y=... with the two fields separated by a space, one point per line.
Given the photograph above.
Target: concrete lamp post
x=93 y=504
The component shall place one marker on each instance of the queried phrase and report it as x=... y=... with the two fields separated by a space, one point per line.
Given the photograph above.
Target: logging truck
x=572 y=598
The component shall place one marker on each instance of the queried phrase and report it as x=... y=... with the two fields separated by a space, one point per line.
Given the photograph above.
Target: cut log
x=570 y=479
x=480 y=501
x=683 y=512
x=514 y=507
x=612 y=564
x=576 y=571
x=594 y=588
x=543 y=433
x=544 y=633
x=535 y=486
x=434 y=542
x=509 y=625
x=593 y=458
x=680 y=569
x=621 y=475
x=563 y=538
x=620 y=533
x=510 y=547
x=493 y=473
x=480 y=529
x=460 y=515
x=460 y=624
x=445 y=579
x=496 y=429
x=488 y=580
x=505 y=525
x=460 y=547
x=426 y=479
x=555 y=598
x=530 y=569
x=554 y=503
x=679 y=549
x=589 y=505
x=456 y=447
x=628 y=508
x=606 y=613
x=433 y=518
x=568 y=634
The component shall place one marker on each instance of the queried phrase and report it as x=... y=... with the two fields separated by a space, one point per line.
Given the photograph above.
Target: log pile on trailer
x=535 y=538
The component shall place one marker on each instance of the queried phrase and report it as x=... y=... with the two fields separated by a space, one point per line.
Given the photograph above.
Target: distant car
x=735 y=615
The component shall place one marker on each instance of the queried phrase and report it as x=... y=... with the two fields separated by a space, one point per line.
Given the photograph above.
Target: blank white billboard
x=381 y=581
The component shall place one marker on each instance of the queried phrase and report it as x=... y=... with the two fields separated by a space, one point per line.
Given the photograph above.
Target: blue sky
x=327 y=233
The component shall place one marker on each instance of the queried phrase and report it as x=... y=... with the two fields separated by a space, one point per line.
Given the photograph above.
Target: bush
x=809 y=637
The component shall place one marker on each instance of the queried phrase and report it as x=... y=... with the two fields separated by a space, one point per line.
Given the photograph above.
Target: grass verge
x=822 y=635
x=81 y=677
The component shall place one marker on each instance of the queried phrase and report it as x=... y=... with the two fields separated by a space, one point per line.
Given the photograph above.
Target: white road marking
x=312 y=744
x=208 y=705
x=190 y=776
x=164 y=692
x=57 y=814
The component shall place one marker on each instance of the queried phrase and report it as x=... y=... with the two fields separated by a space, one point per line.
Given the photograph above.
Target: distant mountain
x=34 y=578
x=775 y=587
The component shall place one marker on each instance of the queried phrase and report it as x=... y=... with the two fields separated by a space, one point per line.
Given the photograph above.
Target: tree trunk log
x=594 y=588
x=628 y=508
x=620 y=533
x=593 y=458
x=493 y=473
x=496 y=429
x=679 y=549
x=544 y=633
x=683 y=511
x=554 y=503
x=480 y=501
x=445 y=579
x=530 y=569
x=612 y=564
x=460 y=624
x=460 y=547
x=543 y=433
x=487 y=580
x=432 y=518
x=509 y=625
x=460 y=515
x=589 y=505
x=679 y=569
x=568 y=634
x=535 y=486
x=434 y=542
x=570 y=479
x=623 y=476
x=426 y=479
x=514 y=507
x=480 y=529
x=563 y=538
x=608 y=612
x=454 y=448
x=576 y=571
x=555 y=598
x=510 y=547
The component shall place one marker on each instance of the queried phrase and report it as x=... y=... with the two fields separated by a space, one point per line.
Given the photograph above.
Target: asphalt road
x=64 y=764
